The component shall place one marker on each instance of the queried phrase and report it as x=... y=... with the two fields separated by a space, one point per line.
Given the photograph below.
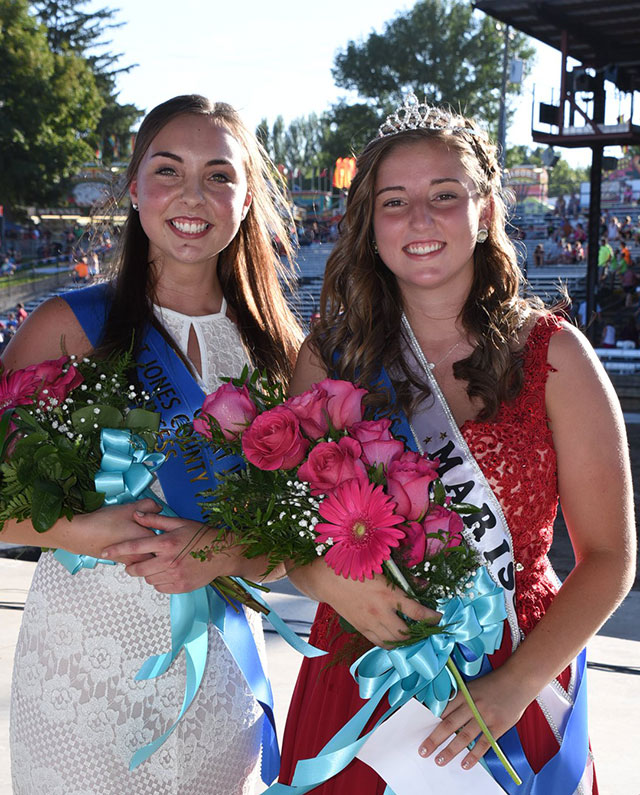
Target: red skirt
x=326 y=697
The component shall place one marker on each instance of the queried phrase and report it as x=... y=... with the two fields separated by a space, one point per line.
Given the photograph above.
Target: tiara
x=414 y=115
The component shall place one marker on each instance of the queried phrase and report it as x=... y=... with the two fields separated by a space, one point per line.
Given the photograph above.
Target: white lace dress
x=77 y=715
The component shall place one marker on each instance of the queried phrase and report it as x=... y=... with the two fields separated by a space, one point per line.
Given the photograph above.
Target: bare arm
x=594 y=480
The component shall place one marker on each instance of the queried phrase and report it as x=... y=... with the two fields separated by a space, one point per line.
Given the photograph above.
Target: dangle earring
x=482 y=235
x=375 y=246
x=135 y=207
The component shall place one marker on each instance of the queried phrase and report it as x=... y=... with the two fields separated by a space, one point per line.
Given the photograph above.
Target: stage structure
x=605 y=39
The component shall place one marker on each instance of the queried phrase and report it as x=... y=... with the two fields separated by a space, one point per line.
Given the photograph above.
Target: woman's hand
x=501 y=701
x=165 y=560
x=371 y=606
x=87 y=534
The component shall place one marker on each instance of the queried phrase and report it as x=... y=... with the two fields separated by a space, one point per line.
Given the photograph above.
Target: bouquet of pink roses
x=321 y=479
x=51 y=435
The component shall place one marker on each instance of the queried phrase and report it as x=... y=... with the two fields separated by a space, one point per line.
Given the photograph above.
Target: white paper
x=392 y=751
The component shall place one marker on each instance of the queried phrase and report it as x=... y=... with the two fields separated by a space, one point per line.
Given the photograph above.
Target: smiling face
x=191 y=191
x=426 y=216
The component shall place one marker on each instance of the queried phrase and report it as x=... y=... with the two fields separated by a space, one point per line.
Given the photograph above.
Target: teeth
x=425 y=249
x=190 y=228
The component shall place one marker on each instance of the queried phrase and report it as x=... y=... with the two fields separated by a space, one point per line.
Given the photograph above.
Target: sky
x=271 y=57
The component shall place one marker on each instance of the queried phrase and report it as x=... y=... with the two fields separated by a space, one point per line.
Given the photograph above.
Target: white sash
x=436 y=432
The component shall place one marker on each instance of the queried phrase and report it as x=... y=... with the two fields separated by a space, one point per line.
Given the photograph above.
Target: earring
x=135 y=207
x=482 y=235
x=375 y=246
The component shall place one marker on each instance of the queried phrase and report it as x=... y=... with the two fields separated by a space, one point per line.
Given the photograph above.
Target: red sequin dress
x=516 y=454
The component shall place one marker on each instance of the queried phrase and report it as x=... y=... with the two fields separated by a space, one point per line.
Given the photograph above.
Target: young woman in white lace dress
x=197 y=267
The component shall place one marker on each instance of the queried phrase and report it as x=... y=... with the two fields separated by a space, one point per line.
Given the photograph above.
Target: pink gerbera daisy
x=361 y=521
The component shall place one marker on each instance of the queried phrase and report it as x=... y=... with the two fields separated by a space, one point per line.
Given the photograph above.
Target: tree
x=348 y=128
x=440 y=50
x=49 y=106
x=71 y=30
x=565 y=179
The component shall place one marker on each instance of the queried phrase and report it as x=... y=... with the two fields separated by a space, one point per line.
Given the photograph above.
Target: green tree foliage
x=348 y=128
x=565 y=179
x=49 y=106
x=440 y=50
x=72 y=30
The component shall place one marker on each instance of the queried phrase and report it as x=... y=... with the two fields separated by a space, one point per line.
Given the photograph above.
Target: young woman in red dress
x=424 y=284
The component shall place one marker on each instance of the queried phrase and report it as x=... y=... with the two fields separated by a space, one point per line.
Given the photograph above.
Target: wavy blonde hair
x=361 y=306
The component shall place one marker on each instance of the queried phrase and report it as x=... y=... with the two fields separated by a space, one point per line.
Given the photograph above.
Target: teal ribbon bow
x=473 y=625
x=126 y=468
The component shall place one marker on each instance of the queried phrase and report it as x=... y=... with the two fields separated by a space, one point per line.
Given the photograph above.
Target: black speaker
x=549 y=114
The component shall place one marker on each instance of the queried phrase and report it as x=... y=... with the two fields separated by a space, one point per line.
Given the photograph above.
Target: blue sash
x=182 y=476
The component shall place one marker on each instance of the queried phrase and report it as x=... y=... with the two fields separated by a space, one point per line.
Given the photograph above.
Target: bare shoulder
x=308 y=370
x=571 y=352
x=50 y=330
x=578 y=384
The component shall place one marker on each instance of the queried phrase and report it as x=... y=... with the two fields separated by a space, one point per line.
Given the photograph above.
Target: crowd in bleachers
x=559 y=238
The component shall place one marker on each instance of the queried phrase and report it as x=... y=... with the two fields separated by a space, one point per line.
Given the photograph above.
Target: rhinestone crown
x=413 y=115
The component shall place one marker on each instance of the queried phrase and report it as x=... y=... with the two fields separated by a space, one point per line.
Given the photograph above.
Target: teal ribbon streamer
x=126 y=471
x=285 y=632
x=473 y=628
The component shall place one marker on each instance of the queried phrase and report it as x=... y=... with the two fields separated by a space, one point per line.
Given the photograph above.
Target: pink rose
x=18 y=387
x=56 y=383
x=330 y=464
x=273 y=440
x=311 y=409
x=413 y=547
x=378 y=444
x=408 y=479
x=445 y=522
x=345 y=402
x=231 y=406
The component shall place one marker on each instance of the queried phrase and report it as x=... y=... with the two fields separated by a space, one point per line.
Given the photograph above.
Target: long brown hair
x=361 y=305
x=251 y=273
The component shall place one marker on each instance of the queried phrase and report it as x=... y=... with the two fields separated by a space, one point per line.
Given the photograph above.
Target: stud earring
x=135 y=207
x=482 y=235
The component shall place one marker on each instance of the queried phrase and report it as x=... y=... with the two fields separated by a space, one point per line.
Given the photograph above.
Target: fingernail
x=423 y=751
x=466 y=764
x=139 y=513
x=105 y=553
x=439 y=760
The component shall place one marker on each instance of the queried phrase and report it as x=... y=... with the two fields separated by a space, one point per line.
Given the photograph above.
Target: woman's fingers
x=147 y=506
x=156 y=521
x=138 y=546
x=412 y=609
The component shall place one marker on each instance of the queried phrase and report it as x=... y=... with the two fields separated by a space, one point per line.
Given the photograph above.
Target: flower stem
x=398 y=576
x=230 y=589
x=485 y=729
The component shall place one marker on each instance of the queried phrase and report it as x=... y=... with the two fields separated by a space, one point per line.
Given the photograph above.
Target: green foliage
x=72 y=30
x=349 y=129
x=440 y=50
x=565 y=179
x=50 y=105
